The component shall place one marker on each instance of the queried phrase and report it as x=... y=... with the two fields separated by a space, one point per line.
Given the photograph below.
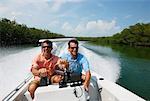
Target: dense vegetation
x=136 y=35
x=12 y=33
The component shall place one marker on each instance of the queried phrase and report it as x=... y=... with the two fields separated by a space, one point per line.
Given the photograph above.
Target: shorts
x=45 y=81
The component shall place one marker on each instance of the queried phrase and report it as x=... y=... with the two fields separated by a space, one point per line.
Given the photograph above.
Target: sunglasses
x=73 y=47
x=46 y=46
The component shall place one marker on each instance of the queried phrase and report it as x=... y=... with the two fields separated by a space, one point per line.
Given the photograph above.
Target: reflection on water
x=135 y=66
x=135 y=52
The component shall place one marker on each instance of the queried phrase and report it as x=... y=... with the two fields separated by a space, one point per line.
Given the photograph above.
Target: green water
x=135 y=67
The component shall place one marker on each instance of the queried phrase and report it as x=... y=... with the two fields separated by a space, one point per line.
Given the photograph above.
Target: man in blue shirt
x=77 y=62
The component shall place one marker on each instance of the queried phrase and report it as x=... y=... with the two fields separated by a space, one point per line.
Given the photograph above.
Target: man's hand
x=85 y=85
x=43 y=72
x=87 y=80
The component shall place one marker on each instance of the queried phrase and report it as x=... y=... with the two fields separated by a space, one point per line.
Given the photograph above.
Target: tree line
x=12 y=33
x=135 y=35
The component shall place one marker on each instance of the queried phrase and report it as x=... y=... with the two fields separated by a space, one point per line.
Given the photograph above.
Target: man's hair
x=48 y=42
x=73 y=41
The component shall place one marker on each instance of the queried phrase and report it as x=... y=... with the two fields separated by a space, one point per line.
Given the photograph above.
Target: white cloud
x=27 y=1
x=80 y=28
x=54 y=24
x=67 y=27
x=36 y=6
x=3 y=8
x=91 y=25
x=23 y=10
x=16 y=13
x=92 y=28
x=57 y=4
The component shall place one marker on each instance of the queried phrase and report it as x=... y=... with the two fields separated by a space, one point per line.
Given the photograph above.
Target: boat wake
x=108 y=67
x=14 y=68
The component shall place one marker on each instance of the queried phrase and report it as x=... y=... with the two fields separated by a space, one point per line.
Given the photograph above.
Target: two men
x=44 y=65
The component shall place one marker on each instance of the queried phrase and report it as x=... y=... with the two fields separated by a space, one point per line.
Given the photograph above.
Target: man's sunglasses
x=46 y=46
x=74 y=47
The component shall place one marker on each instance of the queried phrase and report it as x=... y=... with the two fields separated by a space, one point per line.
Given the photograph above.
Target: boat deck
x=55 y=93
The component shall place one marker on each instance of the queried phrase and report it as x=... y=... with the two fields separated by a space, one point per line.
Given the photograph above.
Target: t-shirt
x=40 y=62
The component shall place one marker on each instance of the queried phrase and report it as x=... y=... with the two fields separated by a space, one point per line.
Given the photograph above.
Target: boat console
x=74 y=79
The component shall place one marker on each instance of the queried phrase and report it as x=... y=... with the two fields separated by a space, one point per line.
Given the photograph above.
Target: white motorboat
x=100 y=89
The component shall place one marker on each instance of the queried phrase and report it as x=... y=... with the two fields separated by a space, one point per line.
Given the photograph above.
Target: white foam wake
x=14 y=68
x=63 y=50
x=108 y=67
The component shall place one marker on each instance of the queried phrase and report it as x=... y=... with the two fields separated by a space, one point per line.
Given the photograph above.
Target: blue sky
x=92 y=18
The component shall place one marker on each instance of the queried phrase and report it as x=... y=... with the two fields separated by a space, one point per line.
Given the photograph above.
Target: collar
x=72 y=57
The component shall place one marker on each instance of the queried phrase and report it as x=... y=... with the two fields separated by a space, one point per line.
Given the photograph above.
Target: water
x=103 y=65
x=134 y=64
x=15 y=63
x=126 y=66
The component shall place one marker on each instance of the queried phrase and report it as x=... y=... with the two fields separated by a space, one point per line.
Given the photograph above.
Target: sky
x=90 y=18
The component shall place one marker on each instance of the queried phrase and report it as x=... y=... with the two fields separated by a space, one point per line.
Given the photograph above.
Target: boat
x=100 y=89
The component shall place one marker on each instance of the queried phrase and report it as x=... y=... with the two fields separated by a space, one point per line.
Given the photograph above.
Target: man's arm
x=35 y=71
x=86 y=68
x=34 y=67
x=87 y=80
x=41 y=72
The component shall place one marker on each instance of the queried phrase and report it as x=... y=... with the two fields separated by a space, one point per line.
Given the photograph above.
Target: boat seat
x=54 y=93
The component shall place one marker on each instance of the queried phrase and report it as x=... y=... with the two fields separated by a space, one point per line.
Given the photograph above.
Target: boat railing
x=13 y=92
